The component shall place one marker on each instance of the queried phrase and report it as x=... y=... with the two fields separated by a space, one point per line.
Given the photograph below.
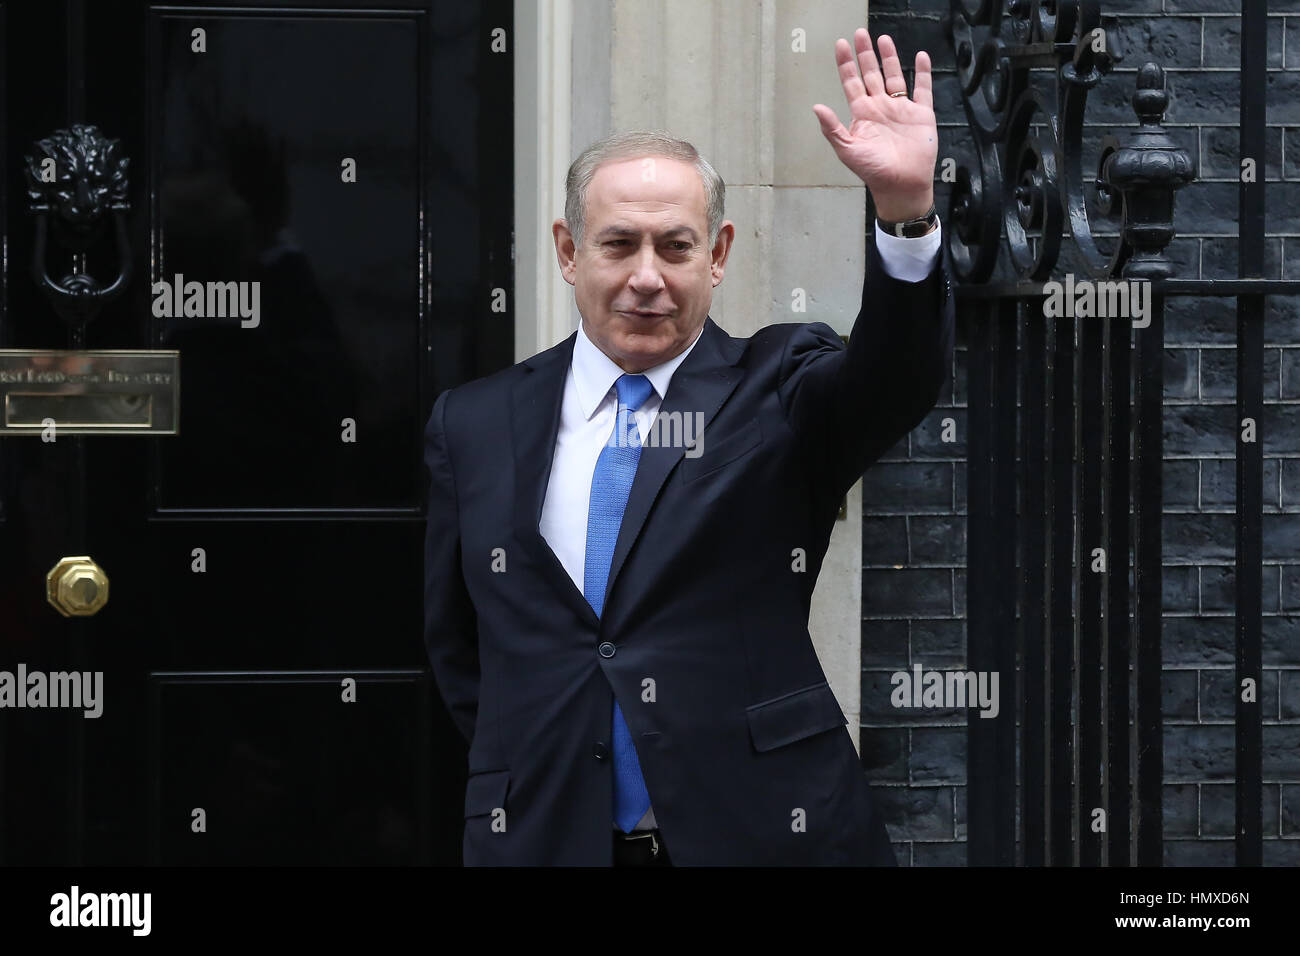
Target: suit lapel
x=535 y=420
x=701 y=384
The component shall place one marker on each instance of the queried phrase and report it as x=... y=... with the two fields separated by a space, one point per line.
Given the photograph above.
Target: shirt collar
x=594 y=372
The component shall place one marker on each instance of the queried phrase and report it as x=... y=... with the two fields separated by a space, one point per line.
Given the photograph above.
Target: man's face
x=644 y=275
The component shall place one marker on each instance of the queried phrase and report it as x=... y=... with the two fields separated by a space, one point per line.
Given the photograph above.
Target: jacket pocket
x=794 y=716
x=486 y=791
x=716 y=454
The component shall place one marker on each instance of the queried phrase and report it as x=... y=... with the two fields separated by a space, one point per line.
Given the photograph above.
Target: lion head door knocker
x=77 y=182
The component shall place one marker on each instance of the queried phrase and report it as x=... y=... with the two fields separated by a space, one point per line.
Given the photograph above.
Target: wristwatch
x=910 y=228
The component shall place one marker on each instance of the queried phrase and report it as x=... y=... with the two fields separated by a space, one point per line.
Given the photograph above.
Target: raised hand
x=892 y=142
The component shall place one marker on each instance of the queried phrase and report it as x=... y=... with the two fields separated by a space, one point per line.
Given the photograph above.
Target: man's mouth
x=642 y=315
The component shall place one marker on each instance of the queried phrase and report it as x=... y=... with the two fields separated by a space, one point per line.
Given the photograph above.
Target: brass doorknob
x=77 y=587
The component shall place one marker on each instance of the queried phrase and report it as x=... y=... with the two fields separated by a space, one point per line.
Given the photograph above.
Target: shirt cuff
x=909 y=260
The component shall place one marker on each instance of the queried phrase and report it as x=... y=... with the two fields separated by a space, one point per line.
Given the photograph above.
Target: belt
x=640 y=848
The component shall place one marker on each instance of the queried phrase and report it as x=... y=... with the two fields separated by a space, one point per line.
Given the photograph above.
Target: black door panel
x=346 y=168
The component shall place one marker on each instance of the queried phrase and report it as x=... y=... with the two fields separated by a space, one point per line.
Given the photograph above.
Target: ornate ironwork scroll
x=1030 y=183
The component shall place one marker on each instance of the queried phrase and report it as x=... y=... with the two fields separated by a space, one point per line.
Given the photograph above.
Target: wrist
x=903 y=208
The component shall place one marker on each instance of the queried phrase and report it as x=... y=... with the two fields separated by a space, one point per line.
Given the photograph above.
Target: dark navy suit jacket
x=704 y=635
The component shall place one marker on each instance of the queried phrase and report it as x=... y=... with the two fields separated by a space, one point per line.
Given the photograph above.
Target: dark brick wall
x=914 y=523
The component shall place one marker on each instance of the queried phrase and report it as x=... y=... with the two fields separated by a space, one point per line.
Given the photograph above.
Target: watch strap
x=910 y=228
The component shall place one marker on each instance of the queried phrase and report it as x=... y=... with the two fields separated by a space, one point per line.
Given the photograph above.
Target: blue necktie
x=610 y=485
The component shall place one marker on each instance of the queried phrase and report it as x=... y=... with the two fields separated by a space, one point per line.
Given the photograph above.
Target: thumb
x=832 y=129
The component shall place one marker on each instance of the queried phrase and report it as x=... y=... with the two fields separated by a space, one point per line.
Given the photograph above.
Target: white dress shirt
x=587 y=420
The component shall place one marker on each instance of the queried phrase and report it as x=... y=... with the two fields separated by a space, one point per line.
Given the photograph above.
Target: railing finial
x=1146 y=171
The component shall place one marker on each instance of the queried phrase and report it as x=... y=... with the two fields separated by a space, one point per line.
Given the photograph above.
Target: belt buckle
x=654 y=844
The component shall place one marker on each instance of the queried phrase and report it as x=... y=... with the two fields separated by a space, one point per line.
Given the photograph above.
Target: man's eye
x=679 y=245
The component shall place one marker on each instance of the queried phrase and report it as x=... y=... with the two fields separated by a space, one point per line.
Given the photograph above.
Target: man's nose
x=646 y=275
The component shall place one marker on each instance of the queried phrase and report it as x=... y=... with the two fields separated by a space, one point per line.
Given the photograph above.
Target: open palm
x=892 y=142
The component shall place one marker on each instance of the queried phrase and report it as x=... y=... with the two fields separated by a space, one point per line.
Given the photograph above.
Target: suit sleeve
x=450 y=622
x=848 y=406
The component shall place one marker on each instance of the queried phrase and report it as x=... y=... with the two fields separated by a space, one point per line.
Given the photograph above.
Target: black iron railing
x=1082 y=501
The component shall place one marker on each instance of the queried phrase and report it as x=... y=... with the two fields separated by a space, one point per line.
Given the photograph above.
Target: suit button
x=606 y=649
x=600 y=750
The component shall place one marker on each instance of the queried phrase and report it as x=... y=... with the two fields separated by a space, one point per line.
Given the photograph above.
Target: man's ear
x=565 y=250
x=721 y=249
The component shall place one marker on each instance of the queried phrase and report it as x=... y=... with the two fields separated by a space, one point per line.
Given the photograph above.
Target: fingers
x=849 y=76
x=867 y=62
x=865 y=76
x=923 y=86
x=892 y=65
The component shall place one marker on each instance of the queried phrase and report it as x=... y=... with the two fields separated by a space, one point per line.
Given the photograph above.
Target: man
x=617 y=622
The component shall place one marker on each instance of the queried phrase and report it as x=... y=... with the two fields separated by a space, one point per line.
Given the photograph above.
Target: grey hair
x=628 y=145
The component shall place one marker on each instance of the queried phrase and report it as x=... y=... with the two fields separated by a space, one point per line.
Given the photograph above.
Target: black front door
x=319 y=214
